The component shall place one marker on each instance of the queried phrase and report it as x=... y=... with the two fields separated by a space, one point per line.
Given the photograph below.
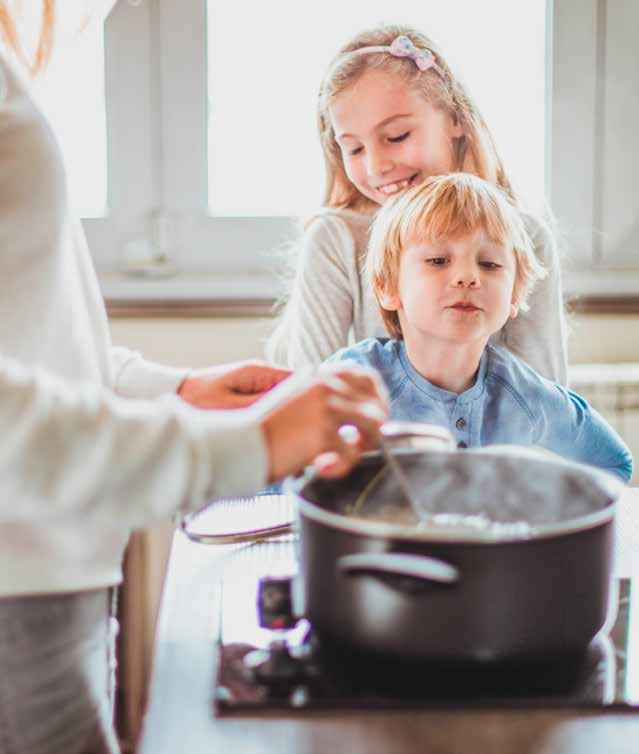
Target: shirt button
x=462 y=445
x=460 y=423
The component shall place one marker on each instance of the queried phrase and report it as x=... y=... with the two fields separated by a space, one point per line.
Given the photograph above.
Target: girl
x=391 y=113
x=80 y=466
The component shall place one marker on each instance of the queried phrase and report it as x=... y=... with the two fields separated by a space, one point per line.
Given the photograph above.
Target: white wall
x=603 y=338
x=200 y=341
x=193 y=342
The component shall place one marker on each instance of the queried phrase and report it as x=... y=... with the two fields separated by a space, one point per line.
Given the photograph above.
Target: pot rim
x=443 y=534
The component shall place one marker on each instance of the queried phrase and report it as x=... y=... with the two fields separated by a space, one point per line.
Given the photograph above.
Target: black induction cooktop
x=267 y=658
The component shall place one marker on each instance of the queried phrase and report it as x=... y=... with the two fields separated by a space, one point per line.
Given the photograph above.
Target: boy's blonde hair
x=475 y=152
x=447 y=207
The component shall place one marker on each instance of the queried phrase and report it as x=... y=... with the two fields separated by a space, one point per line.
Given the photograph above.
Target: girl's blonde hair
x=44 y=47
x=475 y=152
x=447 y=207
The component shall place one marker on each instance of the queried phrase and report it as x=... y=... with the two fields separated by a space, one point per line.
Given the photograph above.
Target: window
x=594 y=162
x=208 y=124
x=264 y=156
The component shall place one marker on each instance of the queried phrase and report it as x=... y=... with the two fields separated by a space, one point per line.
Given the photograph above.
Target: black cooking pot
x=512 y=562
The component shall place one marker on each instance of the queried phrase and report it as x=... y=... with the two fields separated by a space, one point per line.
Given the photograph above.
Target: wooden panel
x=139 y=600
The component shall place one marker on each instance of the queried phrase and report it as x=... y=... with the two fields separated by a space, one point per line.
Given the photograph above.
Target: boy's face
x=457 y=291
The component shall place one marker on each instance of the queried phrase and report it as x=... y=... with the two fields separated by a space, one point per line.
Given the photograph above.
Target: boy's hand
x=231 y=385
x=307 y=414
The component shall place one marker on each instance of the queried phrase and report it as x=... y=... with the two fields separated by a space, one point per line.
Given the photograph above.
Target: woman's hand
x=306 y=416
x=231 y=385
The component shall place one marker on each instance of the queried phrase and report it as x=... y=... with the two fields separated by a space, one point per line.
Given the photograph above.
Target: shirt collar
x=437 y=393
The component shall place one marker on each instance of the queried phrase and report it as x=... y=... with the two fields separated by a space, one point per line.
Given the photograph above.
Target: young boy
x=450 y=263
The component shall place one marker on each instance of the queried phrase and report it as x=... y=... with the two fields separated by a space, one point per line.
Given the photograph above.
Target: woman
x=82 y=462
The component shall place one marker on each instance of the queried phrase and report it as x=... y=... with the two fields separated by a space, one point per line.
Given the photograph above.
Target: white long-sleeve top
x=331 y=303
x=79 y=465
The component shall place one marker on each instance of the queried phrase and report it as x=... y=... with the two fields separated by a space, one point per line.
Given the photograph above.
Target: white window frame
x=578 y=63
x=156 y=89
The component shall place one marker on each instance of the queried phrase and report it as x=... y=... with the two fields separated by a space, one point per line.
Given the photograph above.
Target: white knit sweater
x=79 y=465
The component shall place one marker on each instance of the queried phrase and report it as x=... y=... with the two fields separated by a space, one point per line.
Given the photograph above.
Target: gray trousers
x=57 y=674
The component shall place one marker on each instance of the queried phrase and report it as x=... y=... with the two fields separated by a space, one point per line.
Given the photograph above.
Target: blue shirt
x=509 y=403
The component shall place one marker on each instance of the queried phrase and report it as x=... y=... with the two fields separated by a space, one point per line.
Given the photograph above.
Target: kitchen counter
x=180 y=719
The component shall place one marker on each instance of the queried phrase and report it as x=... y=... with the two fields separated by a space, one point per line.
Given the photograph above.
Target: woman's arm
x=76 y=448
x=135 y=377
x=319 y=312
x=225 y=386
x=72 y=448
x=538 y=336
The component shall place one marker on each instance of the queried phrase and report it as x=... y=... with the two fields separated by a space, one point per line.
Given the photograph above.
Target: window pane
x=71 y=92
x=264 y=155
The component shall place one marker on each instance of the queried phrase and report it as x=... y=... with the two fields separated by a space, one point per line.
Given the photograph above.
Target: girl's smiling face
x=390 y=137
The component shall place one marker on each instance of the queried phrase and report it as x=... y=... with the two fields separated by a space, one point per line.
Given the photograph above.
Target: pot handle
x=400 y=564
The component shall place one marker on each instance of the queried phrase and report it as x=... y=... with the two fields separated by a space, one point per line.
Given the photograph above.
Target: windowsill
x=611 y=305
x=193 y=294
x=603 y=292
x=188 y=294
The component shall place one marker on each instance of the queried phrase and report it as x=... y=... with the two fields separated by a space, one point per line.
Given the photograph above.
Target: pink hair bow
x=402 y=47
